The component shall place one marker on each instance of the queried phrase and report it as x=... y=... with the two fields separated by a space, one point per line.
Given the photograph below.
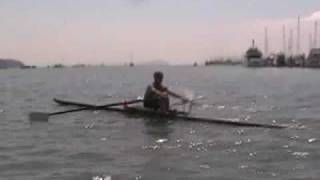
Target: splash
x=101 y=177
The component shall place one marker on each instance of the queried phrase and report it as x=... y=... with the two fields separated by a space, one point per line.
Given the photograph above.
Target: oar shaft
x=97 y=107
x=72 y=110
x=119 y=104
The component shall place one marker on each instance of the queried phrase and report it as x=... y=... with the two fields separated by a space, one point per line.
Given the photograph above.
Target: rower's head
x=158 y=77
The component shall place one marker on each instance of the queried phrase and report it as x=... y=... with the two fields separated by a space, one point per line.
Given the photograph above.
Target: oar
x=42 y=116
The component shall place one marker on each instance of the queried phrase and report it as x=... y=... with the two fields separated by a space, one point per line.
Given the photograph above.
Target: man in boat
x=157 y=95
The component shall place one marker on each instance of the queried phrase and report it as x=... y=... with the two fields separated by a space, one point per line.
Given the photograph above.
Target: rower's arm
x=168 y=92
x=158 y=92
x=177 y=95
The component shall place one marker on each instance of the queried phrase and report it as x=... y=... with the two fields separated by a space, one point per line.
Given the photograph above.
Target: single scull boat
x=173 y=115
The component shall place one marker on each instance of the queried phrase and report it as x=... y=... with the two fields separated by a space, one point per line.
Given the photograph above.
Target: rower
x=156 y=96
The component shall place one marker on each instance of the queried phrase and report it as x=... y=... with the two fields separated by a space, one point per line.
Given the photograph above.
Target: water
x=107 y=145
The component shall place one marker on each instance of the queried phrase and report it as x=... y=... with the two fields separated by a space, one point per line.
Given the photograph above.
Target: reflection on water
x=157 y=127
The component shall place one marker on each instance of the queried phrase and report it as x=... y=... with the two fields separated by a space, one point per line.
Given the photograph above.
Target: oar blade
x=39 y=117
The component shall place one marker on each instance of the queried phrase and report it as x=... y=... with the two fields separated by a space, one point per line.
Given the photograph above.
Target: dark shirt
x=151 y=98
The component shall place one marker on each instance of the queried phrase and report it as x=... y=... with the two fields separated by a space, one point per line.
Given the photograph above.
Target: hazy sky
x=111 y=31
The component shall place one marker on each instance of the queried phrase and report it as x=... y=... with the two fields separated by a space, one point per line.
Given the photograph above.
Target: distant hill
x=10 y=63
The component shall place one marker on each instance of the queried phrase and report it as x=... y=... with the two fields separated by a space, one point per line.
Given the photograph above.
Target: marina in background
x=287 y=57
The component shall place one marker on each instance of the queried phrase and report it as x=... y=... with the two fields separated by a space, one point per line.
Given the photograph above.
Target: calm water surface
x=92 y=145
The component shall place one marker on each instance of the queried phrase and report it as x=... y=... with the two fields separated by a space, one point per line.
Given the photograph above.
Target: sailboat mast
x=298 y=36
x=315 y=34
x=284 y=39
x=266 y=42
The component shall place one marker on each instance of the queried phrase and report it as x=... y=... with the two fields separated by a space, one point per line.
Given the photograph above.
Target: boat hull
x=255 y=62
x=172 y=115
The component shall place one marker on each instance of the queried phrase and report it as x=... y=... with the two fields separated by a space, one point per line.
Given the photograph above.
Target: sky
x=44 y=32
